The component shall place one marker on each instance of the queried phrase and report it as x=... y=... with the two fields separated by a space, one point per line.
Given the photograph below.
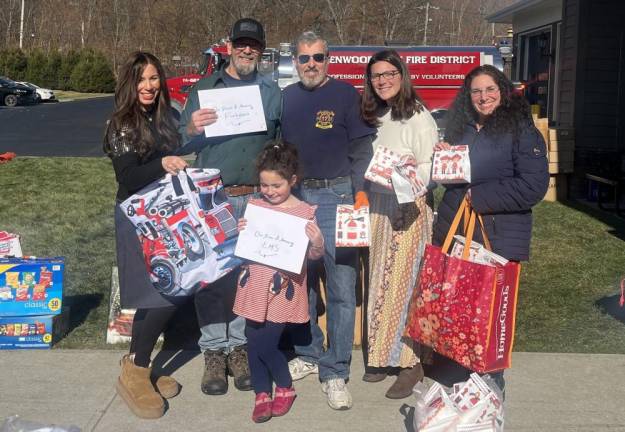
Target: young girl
x=269 y=298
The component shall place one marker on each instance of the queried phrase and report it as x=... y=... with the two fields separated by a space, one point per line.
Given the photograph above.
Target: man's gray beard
x=244 y=69
x=311 y=83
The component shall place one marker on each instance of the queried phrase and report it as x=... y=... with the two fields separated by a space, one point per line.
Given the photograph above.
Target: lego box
x=32 y=332
x=31 y=286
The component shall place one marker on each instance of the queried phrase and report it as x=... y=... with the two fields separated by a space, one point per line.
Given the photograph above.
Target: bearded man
x=223 y=339
x=321 y=117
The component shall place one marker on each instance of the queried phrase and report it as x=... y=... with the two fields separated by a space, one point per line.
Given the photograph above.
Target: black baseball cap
x=248 y=28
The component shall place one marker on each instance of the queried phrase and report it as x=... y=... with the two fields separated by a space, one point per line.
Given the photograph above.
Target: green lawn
x=64 y=206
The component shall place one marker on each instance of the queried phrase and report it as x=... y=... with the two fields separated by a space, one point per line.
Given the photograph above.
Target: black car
x=12 y=93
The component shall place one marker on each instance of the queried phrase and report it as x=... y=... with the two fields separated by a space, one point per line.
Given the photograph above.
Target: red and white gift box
x=452 y=166
x=10 y=244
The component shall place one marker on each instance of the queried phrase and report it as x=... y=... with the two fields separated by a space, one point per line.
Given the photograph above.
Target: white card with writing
x=239 y=110
x=273 y=238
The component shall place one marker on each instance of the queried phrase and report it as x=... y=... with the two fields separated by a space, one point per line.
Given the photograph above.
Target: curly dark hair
x=511 y=116
x=403 y=106
x=281 y=157
x=146 y=135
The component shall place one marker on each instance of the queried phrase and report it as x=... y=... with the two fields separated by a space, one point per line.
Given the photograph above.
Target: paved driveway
x=56 y=129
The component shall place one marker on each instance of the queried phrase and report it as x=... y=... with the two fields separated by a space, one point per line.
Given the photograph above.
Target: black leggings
x=147 y=326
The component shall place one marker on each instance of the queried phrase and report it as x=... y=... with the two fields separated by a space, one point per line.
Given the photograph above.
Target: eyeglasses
x=240 y=46
x=305 y=58
x=488 y=91
x=388 y=75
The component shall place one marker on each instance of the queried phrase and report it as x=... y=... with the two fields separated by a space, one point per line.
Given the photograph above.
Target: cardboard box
x=33 y=332
x=562 y=145
x=10 y=244
x=31 y=286
x=560 y=167
x=557 y=190
x=561 y=156
x=119 y=328
x=561 y=133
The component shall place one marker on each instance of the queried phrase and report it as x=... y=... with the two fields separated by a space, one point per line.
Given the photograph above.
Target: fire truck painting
x=186 y=228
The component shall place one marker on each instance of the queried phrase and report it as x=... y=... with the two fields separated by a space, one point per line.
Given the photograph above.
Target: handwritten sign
x=239 y=110
x=273 y=238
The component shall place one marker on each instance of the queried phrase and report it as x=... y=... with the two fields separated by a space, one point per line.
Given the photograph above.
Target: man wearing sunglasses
x=223 y=340
x=321 y=116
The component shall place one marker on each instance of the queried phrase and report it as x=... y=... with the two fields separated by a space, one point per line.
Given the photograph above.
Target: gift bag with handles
x=462 y=309
x=186 y=229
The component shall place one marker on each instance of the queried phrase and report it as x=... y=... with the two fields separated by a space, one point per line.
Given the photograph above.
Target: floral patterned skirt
x=398 y=237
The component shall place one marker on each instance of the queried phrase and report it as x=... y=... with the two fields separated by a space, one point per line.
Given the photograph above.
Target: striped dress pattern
x=255 y=300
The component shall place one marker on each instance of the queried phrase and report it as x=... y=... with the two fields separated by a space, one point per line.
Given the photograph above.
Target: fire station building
x=571 y=56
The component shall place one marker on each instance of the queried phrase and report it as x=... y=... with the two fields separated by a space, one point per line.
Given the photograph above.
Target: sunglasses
x=305 y=58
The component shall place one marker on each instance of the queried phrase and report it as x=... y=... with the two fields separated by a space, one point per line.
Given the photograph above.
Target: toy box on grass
x=33 y=332
x=31 y=286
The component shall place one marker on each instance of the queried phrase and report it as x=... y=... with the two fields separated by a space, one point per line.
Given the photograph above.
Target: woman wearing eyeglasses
x=508 y=164
x=399 y=232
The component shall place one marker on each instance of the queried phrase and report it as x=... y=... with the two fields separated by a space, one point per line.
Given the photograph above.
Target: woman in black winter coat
x=509 y=172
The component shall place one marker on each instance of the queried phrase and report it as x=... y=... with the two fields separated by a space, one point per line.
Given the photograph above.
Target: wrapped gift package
x=352 y=226
x=478 y=253
x=469 y=406
x=10 y=245
x=31 y=286
x=452 y=166
x=33 y=332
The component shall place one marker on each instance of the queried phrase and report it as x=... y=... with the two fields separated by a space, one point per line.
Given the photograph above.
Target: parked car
x=12 y=93
x=45 y=95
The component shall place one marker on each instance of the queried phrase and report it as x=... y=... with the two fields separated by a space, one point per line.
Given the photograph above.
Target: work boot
x=214 y=380
x=405 y=382
x=135 y=388
x=239 y=368
x=165 y=385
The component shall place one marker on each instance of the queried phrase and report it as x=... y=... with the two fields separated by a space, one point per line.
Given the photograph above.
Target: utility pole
x=22 y=25
x=427 y=20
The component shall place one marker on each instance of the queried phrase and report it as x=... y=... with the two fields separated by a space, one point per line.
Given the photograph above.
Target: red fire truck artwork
x=187 y=233
x=437 y=72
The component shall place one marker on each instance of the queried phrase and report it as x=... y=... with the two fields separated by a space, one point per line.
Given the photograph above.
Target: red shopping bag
x=465 y=310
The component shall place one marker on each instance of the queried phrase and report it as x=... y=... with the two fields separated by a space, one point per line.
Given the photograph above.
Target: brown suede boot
x=165 y=385
x=374 y=374
x=405 y=382
x=135 y=387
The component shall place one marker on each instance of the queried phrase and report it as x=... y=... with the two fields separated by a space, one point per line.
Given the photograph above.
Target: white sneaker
x=339 y=397
x=300 y=368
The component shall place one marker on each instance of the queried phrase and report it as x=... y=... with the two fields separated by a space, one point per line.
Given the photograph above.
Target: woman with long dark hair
x=508 y=164
x=140 y=139
x=398 y=232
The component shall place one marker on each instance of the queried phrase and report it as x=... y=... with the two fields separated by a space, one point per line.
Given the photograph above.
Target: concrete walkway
x=545 y=392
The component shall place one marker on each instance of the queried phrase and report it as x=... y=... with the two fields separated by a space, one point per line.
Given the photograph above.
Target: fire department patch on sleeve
x=325 y=119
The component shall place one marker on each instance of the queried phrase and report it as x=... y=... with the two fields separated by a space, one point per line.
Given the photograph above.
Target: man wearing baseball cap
x=223 y=339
